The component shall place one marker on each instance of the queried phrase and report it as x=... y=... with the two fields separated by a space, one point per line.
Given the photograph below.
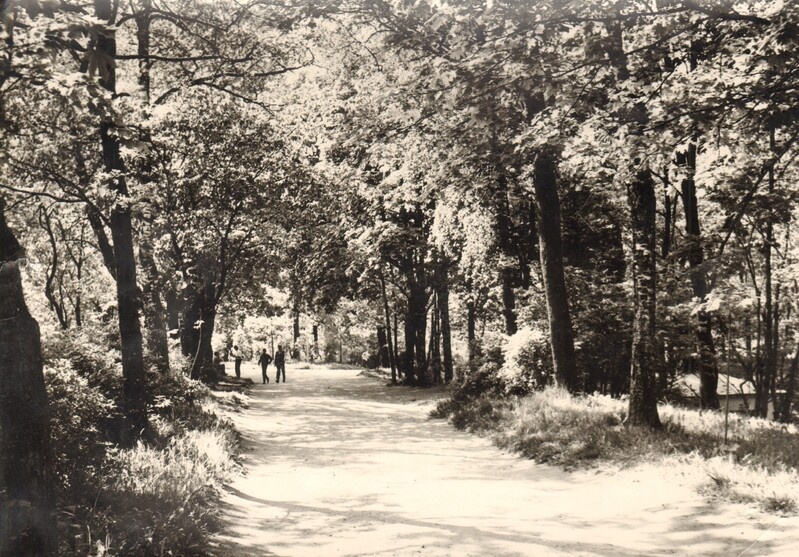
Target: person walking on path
x=280 y=364
x=264 y=361
x=237 y=358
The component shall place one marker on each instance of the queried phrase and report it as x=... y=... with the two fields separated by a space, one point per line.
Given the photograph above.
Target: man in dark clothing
x=264 y=361
x=280 y=364
x=237 y=357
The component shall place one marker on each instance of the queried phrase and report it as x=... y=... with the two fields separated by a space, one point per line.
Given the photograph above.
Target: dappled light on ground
x=340 y=464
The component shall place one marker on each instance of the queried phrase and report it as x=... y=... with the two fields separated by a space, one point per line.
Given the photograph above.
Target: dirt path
x=339 y=464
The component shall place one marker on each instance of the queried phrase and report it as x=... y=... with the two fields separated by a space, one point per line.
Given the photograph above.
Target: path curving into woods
x=339 y=464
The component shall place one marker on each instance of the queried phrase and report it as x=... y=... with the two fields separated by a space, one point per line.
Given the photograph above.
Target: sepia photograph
x=399 y=278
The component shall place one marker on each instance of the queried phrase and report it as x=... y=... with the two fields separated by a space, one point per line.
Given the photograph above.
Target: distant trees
x=215 y=198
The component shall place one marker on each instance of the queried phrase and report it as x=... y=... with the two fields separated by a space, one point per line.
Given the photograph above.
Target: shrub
x=154 y=499
x=91 y=354
x=527 y=362
x=76 y=413
x=158 y=501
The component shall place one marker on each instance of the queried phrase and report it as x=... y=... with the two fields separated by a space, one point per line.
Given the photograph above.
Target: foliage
x=77 y=415
x=327 y=160
x=149 y=500
x=528 y=362
x=166 y=499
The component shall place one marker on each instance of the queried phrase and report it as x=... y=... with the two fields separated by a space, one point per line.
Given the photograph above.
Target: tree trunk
x=172 y=311
x=199 y=328
x=643 y=384
x=27 y=524
x=708 y=367
x=446 y=330
x=56 y=304
x=154 y=312
x=133 y=386
x=143 y=18
x=419 y=305
x=396 y=345
x=667 y=216
x=103 y=242
x=763 y=386
x=410 y=345
x=296 y=312
x=509 y=301
x=382 y=347
x=786 y=403
x=153 y=307
x=471 y=327
x=506 y=273
x=391 y=351
x=551 y=252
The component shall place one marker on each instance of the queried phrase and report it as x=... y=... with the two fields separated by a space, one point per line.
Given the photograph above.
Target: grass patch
x=164 y=499
x=157 y=498
x=758 y=464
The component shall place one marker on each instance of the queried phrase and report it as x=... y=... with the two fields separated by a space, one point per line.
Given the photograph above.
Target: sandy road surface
x=339 y=464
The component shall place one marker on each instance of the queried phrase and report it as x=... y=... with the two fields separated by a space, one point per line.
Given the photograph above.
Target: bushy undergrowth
x=157 y=498
x=759 y=462
x=160 y=500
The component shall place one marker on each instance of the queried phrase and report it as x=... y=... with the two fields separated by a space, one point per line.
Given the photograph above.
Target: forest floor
x=337 y=463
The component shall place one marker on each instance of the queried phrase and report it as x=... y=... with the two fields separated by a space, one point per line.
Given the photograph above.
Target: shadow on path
x=340 y=464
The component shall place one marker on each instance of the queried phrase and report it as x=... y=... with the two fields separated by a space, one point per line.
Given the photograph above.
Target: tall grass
x=163 y=500
x=157 y=498
x=758 y=463
x=190 y=462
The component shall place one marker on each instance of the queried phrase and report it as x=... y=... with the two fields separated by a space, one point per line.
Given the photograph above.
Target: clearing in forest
x=339 y=464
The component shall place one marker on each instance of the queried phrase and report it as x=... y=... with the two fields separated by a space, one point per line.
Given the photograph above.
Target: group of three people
x=265 y=359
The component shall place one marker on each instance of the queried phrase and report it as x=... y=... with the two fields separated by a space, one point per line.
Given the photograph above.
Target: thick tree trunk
x=551 y=252
x=509 y=301
x=103 y=243
x=199 y=329
x=708 y=367
x=296 y=314
x=434 y=359
x=133 y=386
x=643 y=384
x=419 y=313
x=471 y=327
x=172 y=311
x=27 y=524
